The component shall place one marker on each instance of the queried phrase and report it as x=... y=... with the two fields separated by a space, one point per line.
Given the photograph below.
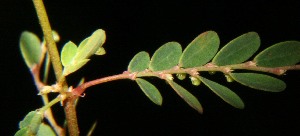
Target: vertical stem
x=71 y=116
x=55 y=60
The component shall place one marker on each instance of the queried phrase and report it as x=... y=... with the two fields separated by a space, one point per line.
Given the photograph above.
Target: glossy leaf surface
x=150 y=91
x=259 y=81
x=139 y=62
x=67 y=53
x=30 y=48
x=201 y=50
x=238 y=50
x=166 y=57
x=186 y=96
x=280 y=54
x=225 y=93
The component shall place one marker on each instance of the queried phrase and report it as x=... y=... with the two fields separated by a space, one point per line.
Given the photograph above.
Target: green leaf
x=67 y=53
x=150 y=91
x=166 y=57
x=72 y=68
x=280 y=54
x=31 y=122
x=45 y=130
x=83 y=43
x=26 y=121
x=259 y=81
x=186 y=96
x=22 y=132
x=139 y=62
x=225 y=93
x=201 y=50
x=90 y=45
x=30 y=48
x=238 y=50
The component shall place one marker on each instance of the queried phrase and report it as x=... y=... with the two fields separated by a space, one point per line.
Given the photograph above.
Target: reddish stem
x=78 y=91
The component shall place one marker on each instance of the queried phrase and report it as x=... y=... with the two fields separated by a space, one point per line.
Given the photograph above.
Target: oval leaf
x=30 y=48
x=139 y=62
x=201 y=50
x=186 y=96
x=238 y=50
x=150 y=91
x=259 y=81
x=68 y=52
x=74 y=67
x=90 y=45
x=225 y=93
x=280 y=54
x=166 y=57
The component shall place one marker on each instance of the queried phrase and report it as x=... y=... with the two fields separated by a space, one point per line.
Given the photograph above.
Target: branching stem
x=78 y=91
x=55 y=60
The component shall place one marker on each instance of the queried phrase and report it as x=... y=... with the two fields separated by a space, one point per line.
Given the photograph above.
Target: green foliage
x=201 y=50
x=186 y=96
x=238 y=50
x=166 y=57
x=150 y=91
x=196 y=57
x=200 y=55
x=139 y=62
x=73 y=57
x=30 y=124
x=67 y=53
x=280 y=54
x=259 y=81
x=225 y=93
x=30 y=46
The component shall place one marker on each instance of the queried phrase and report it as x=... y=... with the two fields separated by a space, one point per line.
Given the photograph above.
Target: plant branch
x=78 y=91
x=55 y=60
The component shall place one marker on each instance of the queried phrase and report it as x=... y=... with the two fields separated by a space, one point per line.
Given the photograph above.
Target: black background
x=120 y=107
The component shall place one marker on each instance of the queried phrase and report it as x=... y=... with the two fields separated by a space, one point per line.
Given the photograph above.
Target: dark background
x=120 y=107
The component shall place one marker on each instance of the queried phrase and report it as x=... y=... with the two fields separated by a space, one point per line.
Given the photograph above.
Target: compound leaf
x=225 y=93
x=201 y=50
x=259 y=81
x=166 y=57
x=68 y=52
x=150 y=91
x=186 y=96
x=238 y=50
x=139 y=62
x=280 y=54
x=30 y=48
x=45 y=130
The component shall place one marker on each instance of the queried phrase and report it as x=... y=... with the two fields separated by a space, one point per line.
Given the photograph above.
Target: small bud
x=55 y=36
x=181 y=76
x=195 y=81
x=229 y=78
x=46 y=90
